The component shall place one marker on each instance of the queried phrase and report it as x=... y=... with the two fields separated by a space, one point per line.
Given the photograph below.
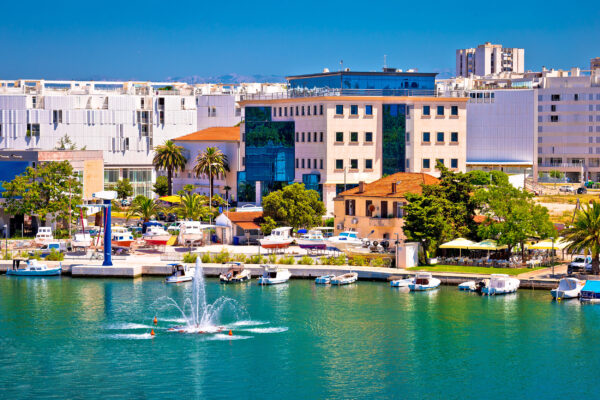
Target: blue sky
x=155 y=40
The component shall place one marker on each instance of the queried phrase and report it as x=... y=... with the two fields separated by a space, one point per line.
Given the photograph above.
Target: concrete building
x=239 y=227
x=595 y=63
x=378 y=206
x=330 y=138
x=489 y=59
x=227 y=139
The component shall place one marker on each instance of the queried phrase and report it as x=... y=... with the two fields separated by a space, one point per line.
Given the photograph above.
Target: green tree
x=124 y=189
x=161 y=187
x=499 y=178
x=65 y=143
x=584 y=234
x=556 y=174
x=294 y=206
x=211 y=162
x=479 y=178
x=267 y=226
x=51 y=188
x=512 y=216
x=169 y=157
x=144 y=208
x=189 y=188
x=192 y=206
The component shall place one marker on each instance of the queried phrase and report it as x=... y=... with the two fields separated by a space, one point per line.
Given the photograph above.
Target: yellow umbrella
x=487 y=245
x=559 y=244
x=459 y=243
x=171 y=199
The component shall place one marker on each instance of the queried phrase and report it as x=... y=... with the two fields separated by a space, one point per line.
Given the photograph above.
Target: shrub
x=7 y=256
x=358 y=261
x=240 y=258
x=339 y=260
x=286 y=260
x=222 y=257
x=377 y=262
x=272 y=259
x=55 y=255
x=36 y=255
x=326 y=260
x=190 y=258
x=205 y=258
x=306 y=260
x=256 y=259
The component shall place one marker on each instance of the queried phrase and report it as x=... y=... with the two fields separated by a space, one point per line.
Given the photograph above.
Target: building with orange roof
x=239 y=227
x=376 y=209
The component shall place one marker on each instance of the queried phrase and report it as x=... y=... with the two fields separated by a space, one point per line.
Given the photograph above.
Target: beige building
x=376 y=209
x=489 y=59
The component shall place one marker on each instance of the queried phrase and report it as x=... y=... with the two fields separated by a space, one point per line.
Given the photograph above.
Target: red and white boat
x=156 y=236
x=278 y=239
x=121 y=237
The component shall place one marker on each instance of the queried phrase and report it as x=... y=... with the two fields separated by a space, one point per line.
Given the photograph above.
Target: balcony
x=561 y=165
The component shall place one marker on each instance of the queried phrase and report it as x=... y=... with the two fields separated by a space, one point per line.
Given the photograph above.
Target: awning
x=487 y=245
x=171 y=199
x=247 y=226
x=559 y=244
x=460 y=243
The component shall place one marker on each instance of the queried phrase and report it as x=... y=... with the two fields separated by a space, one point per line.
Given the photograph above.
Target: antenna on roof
x=341 y=65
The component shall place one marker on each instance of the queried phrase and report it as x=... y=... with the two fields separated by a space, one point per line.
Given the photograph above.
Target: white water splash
x=128 y=336
x=127 y=326
x=267 y=330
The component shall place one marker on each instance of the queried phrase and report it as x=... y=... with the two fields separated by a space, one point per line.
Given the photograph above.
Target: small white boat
x=469 y=286
x=236 y=273
x=313 y=240
x=345 y=279
x=423 y=281
x=501 y=284
x=81 y=240
x=568 y=288
x=191 y=232
x=44 y=235
x=156 y=236
x=400 y=282
x=273 y=275
x=278 y=239
x=33 y=268
x=325 y=279
x=344 y=241
x=181 y=273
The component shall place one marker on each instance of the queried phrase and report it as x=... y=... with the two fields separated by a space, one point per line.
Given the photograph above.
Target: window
x=354 y=137
x=354 y=109
x=576 y=97
x=297 y=137
x=554 y=118
x=368 y=163
x=321 y=139
x=0 y=130
x=57 y=116
x=315 y=137
x=303 y=163
x=315 y=163
x=426 y=110
x=297 y=108
x=321 y=109
x=285 y=111
x=440 y=110
x=354 y=163
x=126 y=144
x=161 y=116
x=291 y=111
x=339 y=109
x=454 y=163
x=308 y=136
x=314 y=110
x=142 y=103
x=339 y=164
x=426 y=137
x=439 y=161
x=454 y=137
x=555 y=97
x=244 y=161
x=302 y=110
x=350 y=207
x=144 y=130
x=307 y=110
x=339 y=137
x=280 y=111
x=426 y=163
x=297 y=163
x=368 y=137
x=368 y=208
x=302 y=137
x=33 y=130
x=553 y=108
x=454 y=110
x=440 y=137
x=407 y=164
x=238 y=112
x=407 y=137
x=274 y=111
x=384 y=209
x=321 y=164
x=308 y=163
x=368 y=109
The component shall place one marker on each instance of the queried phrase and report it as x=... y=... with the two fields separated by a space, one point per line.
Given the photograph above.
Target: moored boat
x=273 y=275
x=400 y=282
x=500 y=284
x=278 y=239
x=81 y=240
x=590 y=293
x=344 y=279
x=469 y=286
x=568 y=288
x=121 y=237
x=33 y=268
x=181 y=273
x=156 y=236
x=236 y=273
x=423 y=281
x=44 y=235
x=313 y=240
x=325 y=279
x=344 y=240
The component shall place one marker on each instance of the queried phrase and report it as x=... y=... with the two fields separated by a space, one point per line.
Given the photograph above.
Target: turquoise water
x=77 y=338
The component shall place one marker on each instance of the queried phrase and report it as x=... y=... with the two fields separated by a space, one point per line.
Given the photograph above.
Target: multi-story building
x=595 y=63
x=125 y=120
x=489 y=59
x=332 y=130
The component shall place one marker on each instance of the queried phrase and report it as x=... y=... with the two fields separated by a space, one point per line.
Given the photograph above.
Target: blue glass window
x=368 y=137
x=454 y=137
x=339 y=109
x=454 y=163
x=426 y=163
x=354 y=109
x=440 y=110
x=339 y=164
x=368 y=163
x=368 y=109
x=440 y=137
x=439 y=161
x=426 y=110
x=354 y=137
x=426 y=137
x=339 y=136
x=454 y=110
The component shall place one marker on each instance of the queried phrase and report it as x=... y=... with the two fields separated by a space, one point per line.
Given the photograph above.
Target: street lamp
x=6 y=240
x=210 y=189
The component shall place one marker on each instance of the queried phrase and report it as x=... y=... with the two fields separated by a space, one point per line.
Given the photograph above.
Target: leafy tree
x=211 y=162
x=189 y=188
x=48 y=189
x=499 y=178
x=161 y=187
x=143 y=208
x=479 y=178
x=123 y=188
x=584 y=235
x=65 y=143
x=512 y=216
x=556 y=174
x=267 y=226
x=294 y=206
x=192 y=206
x=169 y=157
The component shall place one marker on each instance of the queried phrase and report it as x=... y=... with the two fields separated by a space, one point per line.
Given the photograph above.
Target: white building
x=489 y=59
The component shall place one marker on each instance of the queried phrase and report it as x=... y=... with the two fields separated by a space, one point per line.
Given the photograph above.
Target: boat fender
x=155 y=320
x=375 y=243
x=367 y=243
x=230 y=332
x=152 y=332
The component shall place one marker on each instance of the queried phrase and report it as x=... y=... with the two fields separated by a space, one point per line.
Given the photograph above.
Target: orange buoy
x=230 y=333
x=155 y=320
x=152 y=332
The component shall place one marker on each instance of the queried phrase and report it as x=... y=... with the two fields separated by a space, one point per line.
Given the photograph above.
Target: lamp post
x=210 y=185
x=6 y=240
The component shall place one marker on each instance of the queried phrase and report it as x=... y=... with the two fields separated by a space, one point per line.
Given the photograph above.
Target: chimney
x=393 y=187
x=361 y=186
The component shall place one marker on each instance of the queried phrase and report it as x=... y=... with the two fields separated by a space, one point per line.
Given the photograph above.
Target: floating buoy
x=230 y=332
x=152 y=332
x=155 y=320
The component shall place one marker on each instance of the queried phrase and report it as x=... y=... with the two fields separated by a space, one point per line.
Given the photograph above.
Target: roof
x=406 y=182
x=246 y=219
x=359 y=73
x=215 y=134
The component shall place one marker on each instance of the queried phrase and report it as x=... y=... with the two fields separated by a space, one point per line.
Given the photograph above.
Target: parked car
x=565 y=189
x=161 y=216
x=581 y=264
x=582 y=190
x=171 y=217
x=45 y=249
x=125 y=202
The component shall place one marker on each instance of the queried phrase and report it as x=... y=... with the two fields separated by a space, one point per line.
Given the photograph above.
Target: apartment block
x=489 y=59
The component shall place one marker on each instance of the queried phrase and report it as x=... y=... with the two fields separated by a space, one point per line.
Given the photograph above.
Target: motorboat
x=278 y=239
x=500 y=284
x=81 y=240
x=273 y=275
x=469 y=286
x=121 y=237
x=156 y=236
x=313 y=240
x=344 y=279
x=44 y=235
x=181 y=273
x=590 y=293
x=325 y=279
x=344 y=240
x=191 y=232
x=33 y=268
x=568 y=288
x=236 y=273
x=400 y=282
x=423 y=281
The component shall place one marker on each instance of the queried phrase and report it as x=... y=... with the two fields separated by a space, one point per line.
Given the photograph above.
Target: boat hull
x=22 y=272
x=434 y=283
x=494 y=291
x=122 y=243
x=274 y=245
x=344 y=280
x=469 y=286
x=271 y=281
x=312 y=244
x=324 y=280
x=400 y=283
x=565 y=294
x=179 y=279
x=235 y=279
x=157 y=240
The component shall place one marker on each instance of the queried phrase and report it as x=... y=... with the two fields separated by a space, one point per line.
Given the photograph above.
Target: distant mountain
x=226 y=78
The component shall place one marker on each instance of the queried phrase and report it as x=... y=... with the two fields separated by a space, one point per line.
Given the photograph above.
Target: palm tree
x=584 y=234
x=211 y=162
x=192 y=206
x=144 y=208
x=169 y=157
x=227 y=188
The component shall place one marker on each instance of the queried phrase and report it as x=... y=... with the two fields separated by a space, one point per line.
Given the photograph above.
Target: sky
x=154 y=40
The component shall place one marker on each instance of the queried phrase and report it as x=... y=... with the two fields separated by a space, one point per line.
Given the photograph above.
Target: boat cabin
x=591 y=291
x=422 y=278
x=179 y=269
x=283 y=232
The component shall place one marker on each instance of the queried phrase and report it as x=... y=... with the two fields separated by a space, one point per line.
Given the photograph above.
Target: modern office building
x=489 y=59
x=124 y=120
x=332 y=130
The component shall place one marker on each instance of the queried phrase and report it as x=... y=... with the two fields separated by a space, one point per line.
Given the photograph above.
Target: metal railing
x=562 y=165
x=336 y=92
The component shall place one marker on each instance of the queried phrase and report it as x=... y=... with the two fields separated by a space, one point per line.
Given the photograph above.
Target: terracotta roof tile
x=245 y=216
x=216 y=134
x=407 y=182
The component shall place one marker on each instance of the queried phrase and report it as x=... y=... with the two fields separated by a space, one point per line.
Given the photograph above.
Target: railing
x=333 y=92
x=561 y=165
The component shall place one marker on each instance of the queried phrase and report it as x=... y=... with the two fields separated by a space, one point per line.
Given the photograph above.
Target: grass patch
x=568 y=198
x=462 y=269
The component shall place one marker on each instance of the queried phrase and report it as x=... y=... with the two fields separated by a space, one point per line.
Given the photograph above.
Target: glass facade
x=394 y=135
x=311 y=182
